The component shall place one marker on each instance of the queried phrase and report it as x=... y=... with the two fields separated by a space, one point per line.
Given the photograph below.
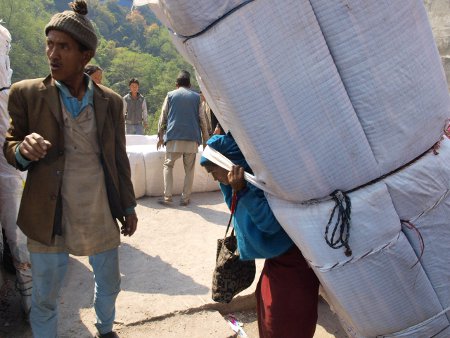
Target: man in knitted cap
x=68 y=132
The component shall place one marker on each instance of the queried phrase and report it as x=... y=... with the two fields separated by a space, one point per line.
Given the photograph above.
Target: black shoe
x=167 y=201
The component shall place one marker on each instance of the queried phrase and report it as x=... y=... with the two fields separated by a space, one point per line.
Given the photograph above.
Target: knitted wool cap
x=76 y=24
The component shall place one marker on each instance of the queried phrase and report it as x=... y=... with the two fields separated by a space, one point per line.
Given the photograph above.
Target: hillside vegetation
x=132 y=43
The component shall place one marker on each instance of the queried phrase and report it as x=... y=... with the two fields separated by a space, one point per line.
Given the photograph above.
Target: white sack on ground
x=388 y=61
x=138 y=175
x=147 y=169
x=276 y=86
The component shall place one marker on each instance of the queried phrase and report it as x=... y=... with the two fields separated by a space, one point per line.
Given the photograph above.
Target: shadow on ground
x=144 y=267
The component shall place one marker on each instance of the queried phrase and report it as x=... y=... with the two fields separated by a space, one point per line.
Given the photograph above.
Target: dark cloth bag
x=231 y=274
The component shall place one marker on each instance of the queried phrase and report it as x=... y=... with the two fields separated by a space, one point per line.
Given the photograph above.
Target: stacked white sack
x=11 y=178
x=390 y=66
x=312 y=117
x=420 y=194
x=380 y=290
x=267 y=71
x=147 y=169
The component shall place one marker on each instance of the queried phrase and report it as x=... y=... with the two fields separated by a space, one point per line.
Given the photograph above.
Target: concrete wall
x=439 y=14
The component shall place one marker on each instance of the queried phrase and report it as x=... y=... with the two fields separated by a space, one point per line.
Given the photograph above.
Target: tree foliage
x=132 y=43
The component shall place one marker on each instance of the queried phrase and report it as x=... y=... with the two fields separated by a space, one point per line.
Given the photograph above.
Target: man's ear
x=87 y=56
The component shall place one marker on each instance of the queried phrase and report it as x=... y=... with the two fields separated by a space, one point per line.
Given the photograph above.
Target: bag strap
x=232 y=209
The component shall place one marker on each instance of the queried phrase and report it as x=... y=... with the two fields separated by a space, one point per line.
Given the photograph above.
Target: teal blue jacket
x=258 y=232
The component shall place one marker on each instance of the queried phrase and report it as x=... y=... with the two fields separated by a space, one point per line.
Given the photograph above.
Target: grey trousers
x=189 y=167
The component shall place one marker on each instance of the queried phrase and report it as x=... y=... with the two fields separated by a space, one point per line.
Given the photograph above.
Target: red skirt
x=287 y=296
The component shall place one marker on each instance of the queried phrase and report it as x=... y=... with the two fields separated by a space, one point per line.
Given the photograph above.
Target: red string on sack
x=411 y=226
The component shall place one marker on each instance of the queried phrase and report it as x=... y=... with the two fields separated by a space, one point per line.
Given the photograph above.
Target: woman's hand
x=236 y=178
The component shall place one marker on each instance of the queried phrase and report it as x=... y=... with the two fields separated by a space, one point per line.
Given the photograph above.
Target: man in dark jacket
x=69 y=133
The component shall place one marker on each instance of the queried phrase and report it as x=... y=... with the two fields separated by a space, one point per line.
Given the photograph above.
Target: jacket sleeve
x=257 y=207
x=126 y=190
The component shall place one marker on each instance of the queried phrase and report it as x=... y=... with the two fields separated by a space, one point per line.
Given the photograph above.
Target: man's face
x=64 y=56
x=134 y=88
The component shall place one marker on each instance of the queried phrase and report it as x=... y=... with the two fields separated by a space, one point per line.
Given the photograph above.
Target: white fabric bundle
x=379 y=277
x=325 y=95
x=321 y=97
x=5 y=46
x=147 y=169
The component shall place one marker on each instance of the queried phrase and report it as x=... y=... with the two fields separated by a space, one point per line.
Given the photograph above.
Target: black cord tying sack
x=341 y=229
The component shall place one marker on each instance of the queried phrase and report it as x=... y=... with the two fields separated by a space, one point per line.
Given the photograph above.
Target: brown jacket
x=34 y=106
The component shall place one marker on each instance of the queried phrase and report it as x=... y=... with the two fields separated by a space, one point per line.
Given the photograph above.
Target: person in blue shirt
x=287 y=291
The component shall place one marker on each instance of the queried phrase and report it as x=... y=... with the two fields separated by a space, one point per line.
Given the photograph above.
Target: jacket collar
x=50 y=94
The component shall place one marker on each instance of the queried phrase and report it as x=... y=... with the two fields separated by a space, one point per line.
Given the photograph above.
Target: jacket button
x=61 y=153
x=59 y=172
x=53 y=197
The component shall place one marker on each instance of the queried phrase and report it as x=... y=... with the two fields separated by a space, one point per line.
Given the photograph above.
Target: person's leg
x=287 y=314
x=17 y=241
x=169 y=162
x=189 y=169
x=107 y=287
x=139 y=129
x=130 y=129
x=48 y=271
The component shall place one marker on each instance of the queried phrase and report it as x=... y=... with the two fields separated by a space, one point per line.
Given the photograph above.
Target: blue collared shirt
x=72 y=104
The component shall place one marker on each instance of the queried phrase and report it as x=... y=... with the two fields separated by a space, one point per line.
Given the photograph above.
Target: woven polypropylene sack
x=421 y=195
x=275 y=86
x=388 y=61
x=288 y=96
x=384 y=293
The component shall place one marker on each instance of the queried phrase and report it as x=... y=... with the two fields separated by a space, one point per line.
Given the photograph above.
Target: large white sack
x=142 y=140
x=420 y=194
x=154 y=161
x=388 y=61
x=374 y=222
x=277 y=88
x=137 y=167
x=191 y=17
x=147 y=169
x=5 y=46
x=383 y=295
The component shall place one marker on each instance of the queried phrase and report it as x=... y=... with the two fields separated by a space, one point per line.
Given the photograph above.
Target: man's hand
x=236 y=178
x=34 y=147
x=130 y=225
x=160 y=141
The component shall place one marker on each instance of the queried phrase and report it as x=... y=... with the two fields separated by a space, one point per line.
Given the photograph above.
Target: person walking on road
x=182 y=127
x=69 y=133
x=135 y=110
